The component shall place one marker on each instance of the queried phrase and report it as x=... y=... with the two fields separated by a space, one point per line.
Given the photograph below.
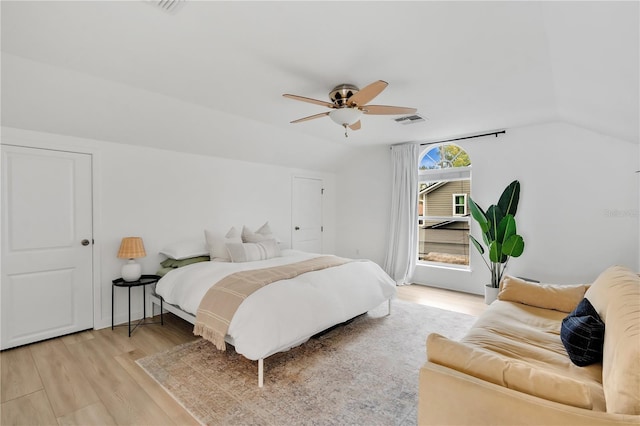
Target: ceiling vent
x=167 y=5
x=410 y=119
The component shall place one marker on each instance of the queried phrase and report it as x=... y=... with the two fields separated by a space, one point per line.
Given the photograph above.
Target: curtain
x=402 y=248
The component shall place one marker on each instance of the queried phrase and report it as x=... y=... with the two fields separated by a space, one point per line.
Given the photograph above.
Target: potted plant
x=498 y=225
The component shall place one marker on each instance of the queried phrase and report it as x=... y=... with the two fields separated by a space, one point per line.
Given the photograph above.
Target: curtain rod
x=496 y=133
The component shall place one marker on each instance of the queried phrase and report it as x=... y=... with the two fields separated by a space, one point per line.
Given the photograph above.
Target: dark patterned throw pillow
x=582 y=334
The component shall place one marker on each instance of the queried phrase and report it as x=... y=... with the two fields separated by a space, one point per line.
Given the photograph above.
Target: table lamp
x=131 y=248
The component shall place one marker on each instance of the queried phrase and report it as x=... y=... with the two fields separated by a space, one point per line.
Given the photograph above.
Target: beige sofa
x=513 y=369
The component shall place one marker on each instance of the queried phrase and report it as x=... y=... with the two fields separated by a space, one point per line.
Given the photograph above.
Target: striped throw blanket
x=221 y=301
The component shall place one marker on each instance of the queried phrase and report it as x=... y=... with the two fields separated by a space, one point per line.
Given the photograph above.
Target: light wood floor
x=91 y=378
x=465 y=303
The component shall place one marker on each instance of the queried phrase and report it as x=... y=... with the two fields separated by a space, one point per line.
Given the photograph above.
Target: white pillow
x=249 y=252
x=216 y=243
x=263 y=233
x=185 y=249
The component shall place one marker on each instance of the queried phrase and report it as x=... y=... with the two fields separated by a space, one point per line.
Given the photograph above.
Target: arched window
x=443 y=214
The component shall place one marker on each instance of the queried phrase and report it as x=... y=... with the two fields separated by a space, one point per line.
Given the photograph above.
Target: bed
x=286 y=313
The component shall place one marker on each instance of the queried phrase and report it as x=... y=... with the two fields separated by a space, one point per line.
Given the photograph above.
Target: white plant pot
x=490 y=294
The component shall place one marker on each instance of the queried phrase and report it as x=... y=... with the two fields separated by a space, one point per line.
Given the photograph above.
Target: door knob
x=297 y=228
x=84 y=242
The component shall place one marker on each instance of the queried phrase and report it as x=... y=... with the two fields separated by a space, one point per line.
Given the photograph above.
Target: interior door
x=307 y=214
x=47 y=247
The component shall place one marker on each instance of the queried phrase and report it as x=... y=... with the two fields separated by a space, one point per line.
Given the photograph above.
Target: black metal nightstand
x=144 y=281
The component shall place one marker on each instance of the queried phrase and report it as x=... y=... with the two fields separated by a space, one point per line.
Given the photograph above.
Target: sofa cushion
x=532 y=335
x=562 y=298
x=615 y=295
x=508 y=372
x=582 y=334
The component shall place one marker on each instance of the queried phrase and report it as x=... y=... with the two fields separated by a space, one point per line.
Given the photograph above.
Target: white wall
x=164 y=197
x=578 y=210
x=364 y=190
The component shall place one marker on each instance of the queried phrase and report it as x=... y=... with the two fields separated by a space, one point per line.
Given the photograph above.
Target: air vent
x=410 y=119
x=167 y=5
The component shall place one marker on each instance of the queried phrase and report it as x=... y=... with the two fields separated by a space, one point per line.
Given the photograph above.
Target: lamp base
x=131 y=271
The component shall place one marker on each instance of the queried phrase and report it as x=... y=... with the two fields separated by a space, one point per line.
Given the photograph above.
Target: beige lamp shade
x=131 y=248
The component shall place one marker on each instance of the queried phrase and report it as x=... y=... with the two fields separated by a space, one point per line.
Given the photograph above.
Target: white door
x=46 y=288
x=307 y=215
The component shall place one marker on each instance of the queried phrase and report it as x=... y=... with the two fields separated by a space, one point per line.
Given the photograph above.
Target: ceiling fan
x=348 y=103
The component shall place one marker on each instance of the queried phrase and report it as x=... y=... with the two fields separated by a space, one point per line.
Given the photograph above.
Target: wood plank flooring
x=91 y=378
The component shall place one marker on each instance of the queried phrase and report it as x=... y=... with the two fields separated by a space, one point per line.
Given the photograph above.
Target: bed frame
x=174 y=309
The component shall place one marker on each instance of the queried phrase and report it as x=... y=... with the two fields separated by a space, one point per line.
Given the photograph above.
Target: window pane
x=447 y=243
x=443 y=157
x=443 y=226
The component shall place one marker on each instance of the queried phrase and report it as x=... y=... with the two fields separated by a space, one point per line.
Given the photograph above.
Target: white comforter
x=286 y=313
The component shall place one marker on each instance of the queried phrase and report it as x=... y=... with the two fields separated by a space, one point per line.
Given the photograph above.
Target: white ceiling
x=209 y=78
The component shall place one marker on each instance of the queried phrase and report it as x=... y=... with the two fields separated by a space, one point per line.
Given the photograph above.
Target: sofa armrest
x=449 y=397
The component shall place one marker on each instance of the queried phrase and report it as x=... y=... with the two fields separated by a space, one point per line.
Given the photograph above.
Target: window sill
x=447 y=266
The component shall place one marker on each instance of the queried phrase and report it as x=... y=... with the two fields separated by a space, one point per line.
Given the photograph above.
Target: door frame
x=54 y=142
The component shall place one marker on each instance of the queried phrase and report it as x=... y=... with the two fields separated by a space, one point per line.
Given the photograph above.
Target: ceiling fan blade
x=355 y=126
x=368 y=93
x=311 y=117
x=387 y=110
x=309 y=100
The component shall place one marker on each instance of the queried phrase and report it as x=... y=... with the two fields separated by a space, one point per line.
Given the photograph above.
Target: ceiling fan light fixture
x=345 y=116
x=348 y=103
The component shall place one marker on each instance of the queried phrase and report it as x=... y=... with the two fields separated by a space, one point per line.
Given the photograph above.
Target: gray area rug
x=362 y=373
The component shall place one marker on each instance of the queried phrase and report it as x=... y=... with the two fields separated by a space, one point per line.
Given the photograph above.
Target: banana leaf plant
x=498 y=225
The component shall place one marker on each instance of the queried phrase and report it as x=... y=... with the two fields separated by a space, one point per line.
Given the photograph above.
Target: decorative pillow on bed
x=249 y=252
x=217 y=243
x=169 y=265
x=163 y=271
x=263 y=233
x=582 y=334
x=185 y=249
x=175 y=263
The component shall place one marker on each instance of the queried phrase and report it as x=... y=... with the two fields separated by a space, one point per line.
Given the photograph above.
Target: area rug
x=364 y=372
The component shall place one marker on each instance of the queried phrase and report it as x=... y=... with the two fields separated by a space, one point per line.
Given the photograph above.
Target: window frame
x=463 y=205
x=448 y=174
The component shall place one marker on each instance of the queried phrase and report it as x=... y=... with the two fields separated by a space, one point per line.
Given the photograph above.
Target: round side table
x=143 y=281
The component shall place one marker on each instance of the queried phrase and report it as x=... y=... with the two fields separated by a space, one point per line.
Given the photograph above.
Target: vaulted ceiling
x=209 y=77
